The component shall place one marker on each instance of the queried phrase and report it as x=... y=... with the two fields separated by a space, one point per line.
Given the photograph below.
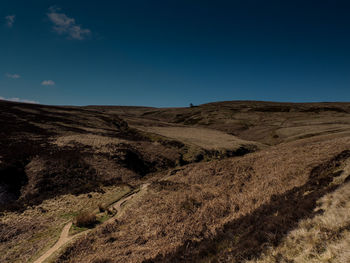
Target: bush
x=101 y=207
x=85 y=219
x=109 y=229
x=110 y=211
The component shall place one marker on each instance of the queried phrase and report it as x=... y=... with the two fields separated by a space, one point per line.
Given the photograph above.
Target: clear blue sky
x=173 y=52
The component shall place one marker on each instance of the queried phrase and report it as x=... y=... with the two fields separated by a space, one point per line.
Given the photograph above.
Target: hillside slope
x=47 y=151
x=219 y=182
x=265 y=122
x=225 y=211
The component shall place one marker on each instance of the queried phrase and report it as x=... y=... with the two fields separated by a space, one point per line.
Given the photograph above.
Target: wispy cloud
x=19 y=100
x=10 y=20
x=12 y=76
x=65 y=25
x=48 y=83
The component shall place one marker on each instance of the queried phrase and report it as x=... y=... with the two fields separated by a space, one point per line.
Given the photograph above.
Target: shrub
x=85 y=219
x=101 y=207
x=109 y=228
x=110 y=211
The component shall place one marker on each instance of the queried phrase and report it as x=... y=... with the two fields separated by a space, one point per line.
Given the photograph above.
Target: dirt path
x=65 y=238
x=61 y=241
x=117 y=205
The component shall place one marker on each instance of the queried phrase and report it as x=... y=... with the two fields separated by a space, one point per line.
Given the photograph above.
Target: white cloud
x=10 y=20
x=48 y=83
x=19 y=100
x=12 y=76
x=65 y=25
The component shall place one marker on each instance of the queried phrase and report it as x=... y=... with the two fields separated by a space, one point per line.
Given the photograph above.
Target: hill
x=220 y=182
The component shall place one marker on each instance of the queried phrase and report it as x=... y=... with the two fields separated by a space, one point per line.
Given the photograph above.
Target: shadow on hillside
x=247 y=237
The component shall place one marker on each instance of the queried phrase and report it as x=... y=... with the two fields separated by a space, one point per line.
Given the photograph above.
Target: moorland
x=235 y=181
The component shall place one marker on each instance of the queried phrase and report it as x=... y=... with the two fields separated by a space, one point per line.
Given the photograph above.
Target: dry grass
x=97 y=142
x=61 y=128
x=298 y=132
x=196 y=202
x=206 y=138
x=324 y=238
x=26 y=235
x=264 y=122
x=225 y=210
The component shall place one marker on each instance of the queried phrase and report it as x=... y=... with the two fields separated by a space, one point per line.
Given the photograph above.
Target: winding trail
x=65 y=238
x=118 y=204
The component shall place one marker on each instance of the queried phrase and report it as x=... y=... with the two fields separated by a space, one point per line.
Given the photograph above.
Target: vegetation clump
x=101 y=207
x=85 y=219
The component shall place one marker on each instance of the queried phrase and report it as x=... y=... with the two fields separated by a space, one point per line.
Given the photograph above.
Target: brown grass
x=97 y=142
x=264 y=122
x=205 y=197
x=25 y=236
x=253 y=207
x=324 y=238
x=205 y=138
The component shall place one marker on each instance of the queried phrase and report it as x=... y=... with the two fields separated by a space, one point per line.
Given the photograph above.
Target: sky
x=172 y=53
